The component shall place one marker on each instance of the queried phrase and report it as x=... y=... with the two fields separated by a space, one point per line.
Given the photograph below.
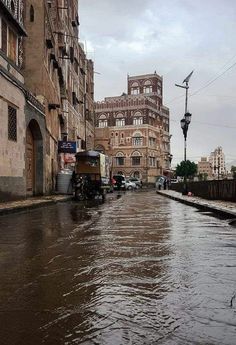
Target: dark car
x=137 y=181
x=119 y=182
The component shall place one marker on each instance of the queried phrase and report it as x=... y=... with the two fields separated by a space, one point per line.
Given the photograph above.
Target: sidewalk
x=225 y=208
x=30 y=203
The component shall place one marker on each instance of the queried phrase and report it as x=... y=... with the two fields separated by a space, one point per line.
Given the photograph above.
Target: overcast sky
x=172 y=37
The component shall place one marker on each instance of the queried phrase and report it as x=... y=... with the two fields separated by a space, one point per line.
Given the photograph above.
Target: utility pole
x=184 y=124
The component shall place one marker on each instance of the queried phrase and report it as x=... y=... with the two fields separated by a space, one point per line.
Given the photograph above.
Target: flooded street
x=139 y=269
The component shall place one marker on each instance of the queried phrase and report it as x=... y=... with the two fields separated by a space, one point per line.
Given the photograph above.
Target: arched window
x=100 y=148
x=138 y=118
x=120 y=122
x=137 y=139
x=137 y=174
x=147 y=87
x=120 y=159
x=137 y=121
x=135 y=89
x=136 y=158
x=102 y=122
x=31 y=13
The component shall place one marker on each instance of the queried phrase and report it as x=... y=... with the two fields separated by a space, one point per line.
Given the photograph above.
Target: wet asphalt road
x=141 y=269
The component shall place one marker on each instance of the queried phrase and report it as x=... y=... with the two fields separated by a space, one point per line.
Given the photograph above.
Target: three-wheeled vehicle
x=92 y=175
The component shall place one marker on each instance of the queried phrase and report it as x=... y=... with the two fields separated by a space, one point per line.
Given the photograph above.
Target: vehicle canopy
x=92 y=162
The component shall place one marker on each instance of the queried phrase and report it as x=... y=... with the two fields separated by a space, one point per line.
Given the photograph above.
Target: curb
x=201 y=206
x=28 y=207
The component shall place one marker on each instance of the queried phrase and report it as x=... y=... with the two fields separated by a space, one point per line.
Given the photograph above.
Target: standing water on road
x=141 y=269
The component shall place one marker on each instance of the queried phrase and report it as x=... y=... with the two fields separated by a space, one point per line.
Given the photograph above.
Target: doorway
x=30 y=163
x=34 y=160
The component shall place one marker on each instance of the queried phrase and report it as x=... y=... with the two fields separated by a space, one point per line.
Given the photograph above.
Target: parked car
x=119 y=182
x=137 y=181
x=161 y=181
x=130 y=185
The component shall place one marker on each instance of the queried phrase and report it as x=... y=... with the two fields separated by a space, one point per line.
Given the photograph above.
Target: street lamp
x=185 y=123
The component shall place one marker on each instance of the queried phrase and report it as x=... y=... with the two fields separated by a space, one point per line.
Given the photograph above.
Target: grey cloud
x=172 y=37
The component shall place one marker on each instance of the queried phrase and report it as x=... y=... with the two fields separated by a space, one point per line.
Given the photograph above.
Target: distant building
x=205 y=168
x=217 y=160
x=134 y=129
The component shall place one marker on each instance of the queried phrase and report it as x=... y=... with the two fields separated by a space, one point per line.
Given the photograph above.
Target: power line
x=212 y=81
x=209 y=82
x=206 y=123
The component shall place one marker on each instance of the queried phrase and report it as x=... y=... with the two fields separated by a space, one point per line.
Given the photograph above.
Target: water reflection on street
x=139 y=269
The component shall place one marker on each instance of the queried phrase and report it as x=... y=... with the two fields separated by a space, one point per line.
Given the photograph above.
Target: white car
x=129 y=185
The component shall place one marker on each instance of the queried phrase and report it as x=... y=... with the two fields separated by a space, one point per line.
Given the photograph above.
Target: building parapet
x=129 y=102
x=144 y=76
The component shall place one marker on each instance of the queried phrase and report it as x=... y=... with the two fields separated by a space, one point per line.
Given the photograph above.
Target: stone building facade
x=58 y=64
x=134 y=129
x=18 y=110
x=46 y=93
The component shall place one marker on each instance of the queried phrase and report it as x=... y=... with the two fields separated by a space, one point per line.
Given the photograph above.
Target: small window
x=102 y=123
x=137 y=121
x=12 y=124
x=136 y=160
x=4 y=37
x=120 y=122
x=147 y=89
x=12 y=48
x=119 y=160
x=137 y=141
x=135 y=91
x=13 y=7
x=152 y=161
x=31 y=13
x=152 y=141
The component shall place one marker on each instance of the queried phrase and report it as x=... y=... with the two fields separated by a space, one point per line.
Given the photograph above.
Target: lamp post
x=185 y=123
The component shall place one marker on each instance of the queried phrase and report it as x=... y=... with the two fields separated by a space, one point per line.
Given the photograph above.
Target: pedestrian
x=165 y=183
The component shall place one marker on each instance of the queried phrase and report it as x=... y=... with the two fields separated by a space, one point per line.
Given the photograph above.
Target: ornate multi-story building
x=217 y=160
x=134 y=129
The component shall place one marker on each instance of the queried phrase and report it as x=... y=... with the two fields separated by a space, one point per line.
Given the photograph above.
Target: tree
x=186 y=169
x=233 y=171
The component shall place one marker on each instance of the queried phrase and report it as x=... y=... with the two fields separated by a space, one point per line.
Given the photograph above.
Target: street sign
x=67 y=146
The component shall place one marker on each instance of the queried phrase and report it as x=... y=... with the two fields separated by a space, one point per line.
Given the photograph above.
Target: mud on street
x=139 y=269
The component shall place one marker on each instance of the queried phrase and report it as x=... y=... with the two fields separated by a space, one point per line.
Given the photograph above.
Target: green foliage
x=233 y=171
x=186 y=169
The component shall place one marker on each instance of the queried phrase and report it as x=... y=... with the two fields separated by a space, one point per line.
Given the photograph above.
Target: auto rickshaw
x=91 y=178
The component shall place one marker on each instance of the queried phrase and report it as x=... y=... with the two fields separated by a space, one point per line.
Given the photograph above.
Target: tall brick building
x=134 y=129
x=61 y=76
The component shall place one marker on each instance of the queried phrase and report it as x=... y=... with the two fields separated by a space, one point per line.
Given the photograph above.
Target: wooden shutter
x=4 y=37
x=12 y=45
